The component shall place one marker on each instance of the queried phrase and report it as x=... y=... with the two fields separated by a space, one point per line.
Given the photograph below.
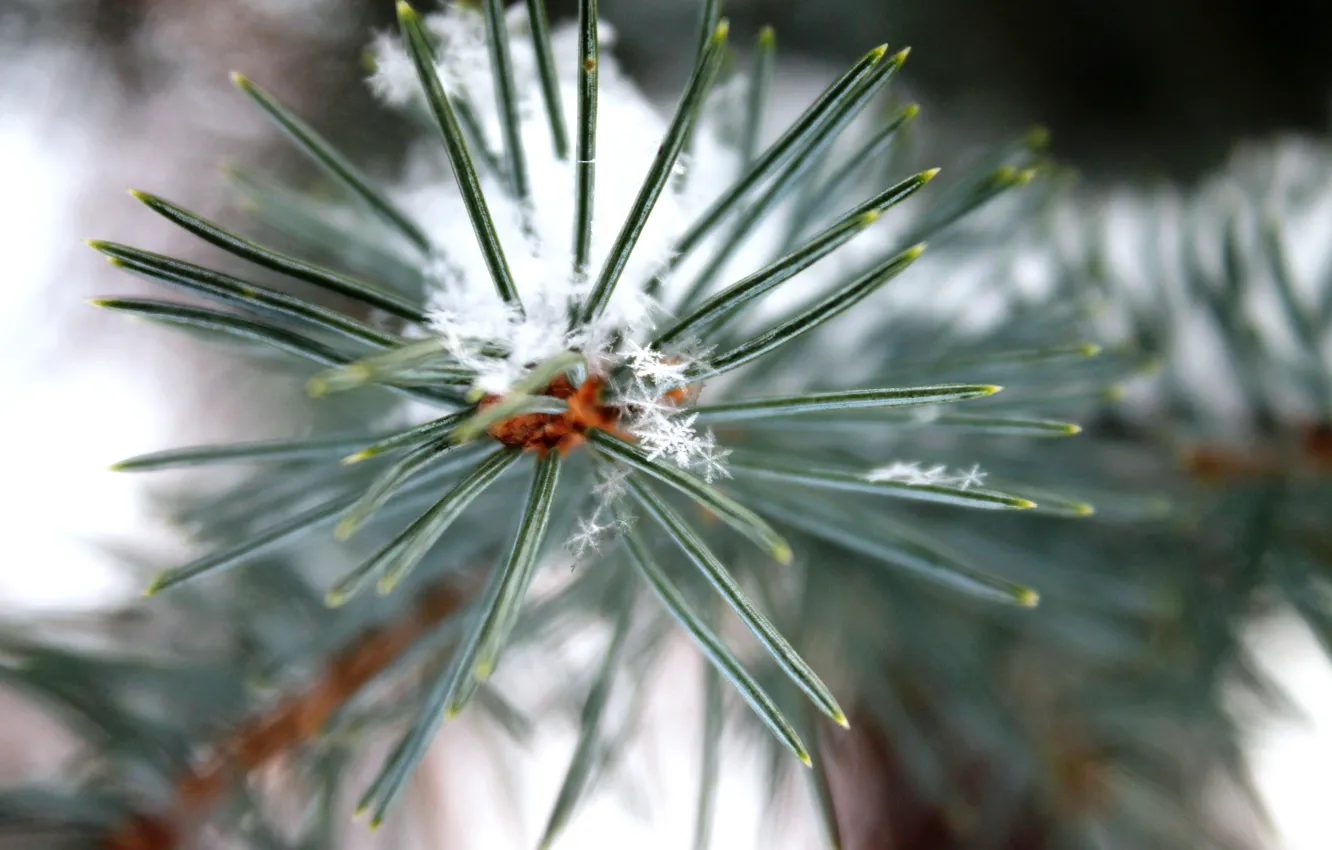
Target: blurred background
x=1136 y=86
x=97 y=95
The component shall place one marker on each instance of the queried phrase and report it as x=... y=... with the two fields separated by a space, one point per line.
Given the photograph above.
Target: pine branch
x=839 y=449
x=290 y=724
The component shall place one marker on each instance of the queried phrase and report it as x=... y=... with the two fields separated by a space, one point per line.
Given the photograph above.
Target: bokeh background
x=96 y=95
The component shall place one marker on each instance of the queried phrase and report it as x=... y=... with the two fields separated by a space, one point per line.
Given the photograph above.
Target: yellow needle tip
x=335 y=598
x=1038 y=137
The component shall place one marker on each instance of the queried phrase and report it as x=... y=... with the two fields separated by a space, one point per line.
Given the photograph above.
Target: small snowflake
x=906 y=472
x=653 y=367
x=646 y=403
x=589 y=537
x=966 y=479
x=711 y=460
x=624 y=522
x=913 y=473
x=611 y=486
x=608 y=518
x=937 y=474
x=674 y=437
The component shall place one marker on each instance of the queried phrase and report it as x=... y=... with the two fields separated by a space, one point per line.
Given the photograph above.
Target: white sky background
x=67 y=403
x=1291 y=757
x=81 y=390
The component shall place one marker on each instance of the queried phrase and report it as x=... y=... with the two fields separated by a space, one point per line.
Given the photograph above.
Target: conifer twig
x=287 y=725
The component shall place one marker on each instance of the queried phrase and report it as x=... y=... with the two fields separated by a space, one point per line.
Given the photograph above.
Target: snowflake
x=589 y=537
x=937 y=474
x=646 y=403
x=905 y=472
x=668 y=436
x=653 y=367
x=595 y=530
x=913 y=473
x=711 y=461
x=611 y=486
x=966 y=479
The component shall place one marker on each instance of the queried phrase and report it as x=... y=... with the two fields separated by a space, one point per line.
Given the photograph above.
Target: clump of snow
x=917 y=474
x=537 y=235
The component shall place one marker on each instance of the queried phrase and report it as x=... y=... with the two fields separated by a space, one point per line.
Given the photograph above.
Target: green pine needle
x=707 y=640
x=691 y=104
x=718 y=576
x=328 y=157
x=469 y=185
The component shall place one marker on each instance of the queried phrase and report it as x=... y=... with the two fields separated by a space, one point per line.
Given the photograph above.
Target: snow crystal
x=916 y=474
x=595 y=531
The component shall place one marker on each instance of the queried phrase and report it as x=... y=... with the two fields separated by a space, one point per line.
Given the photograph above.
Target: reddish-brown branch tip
x=542 y=432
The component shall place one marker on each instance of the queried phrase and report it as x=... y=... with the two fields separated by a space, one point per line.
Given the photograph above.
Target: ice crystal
x=917 y=474
x=608 y=517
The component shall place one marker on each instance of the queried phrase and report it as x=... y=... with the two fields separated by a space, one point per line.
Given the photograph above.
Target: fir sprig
x=513 y=367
